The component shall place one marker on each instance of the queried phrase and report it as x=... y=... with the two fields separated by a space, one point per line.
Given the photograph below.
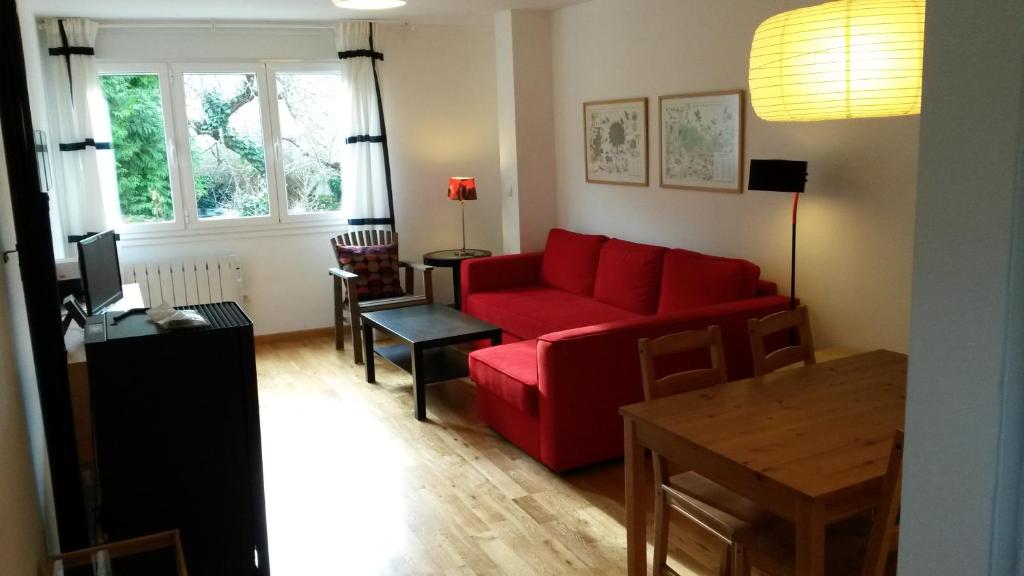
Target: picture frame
x=702 y=140
x=615 y=142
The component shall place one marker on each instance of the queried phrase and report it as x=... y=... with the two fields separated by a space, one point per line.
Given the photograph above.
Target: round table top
x=456 y=255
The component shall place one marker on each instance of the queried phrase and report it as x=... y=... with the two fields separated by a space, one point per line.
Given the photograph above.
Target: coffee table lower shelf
x=442 y=364
x=425 y=336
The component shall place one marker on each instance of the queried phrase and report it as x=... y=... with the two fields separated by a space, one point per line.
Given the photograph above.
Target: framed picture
x=615 y=141
x=702 y=141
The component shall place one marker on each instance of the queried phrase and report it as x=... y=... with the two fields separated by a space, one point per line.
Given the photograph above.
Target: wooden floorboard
x=355 y=485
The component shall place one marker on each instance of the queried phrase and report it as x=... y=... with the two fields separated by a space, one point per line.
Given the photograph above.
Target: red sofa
x=571 y=317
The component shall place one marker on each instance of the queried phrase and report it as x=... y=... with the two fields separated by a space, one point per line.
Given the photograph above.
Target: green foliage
x=137 y=126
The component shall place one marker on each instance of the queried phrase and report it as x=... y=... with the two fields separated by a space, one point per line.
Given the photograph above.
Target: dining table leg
x=810 y=539
x=636 y=520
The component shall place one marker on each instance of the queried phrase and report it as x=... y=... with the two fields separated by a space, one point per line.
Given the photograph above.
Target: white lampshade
x=369 y=4
x=846 y=59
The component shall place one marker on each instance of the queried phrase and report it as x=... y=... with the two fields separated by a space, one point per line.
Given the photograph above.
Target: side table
x=453 y=259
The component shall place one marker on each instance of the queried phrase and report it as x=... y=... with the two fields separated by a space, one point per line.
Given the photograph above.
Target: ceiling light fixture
x=369 y=4
x=845 y=59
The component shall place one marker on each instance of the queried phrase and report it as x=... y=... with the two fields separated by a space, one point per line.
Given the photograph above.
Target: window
x=310 y=120
x=137 y=101
x=246 y=144
x=226 y=148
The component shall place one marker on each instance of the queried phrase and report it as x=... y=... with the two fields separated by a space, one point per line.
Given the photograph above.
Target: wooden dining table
x=808 y=444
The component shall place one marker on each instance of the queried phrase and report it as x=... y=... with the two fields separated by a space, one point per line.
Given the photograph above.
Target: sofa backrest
x=643 y=278
x=629 y=275
x=570 y=261
x=690 y=279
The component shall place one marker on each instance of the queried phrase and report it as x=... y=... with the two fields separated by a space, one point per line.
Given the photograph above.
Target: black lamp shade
x=777 y=175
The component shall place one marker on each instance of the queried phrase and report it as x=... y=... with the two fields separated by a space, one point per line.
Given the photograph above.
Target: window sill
x=153 y=238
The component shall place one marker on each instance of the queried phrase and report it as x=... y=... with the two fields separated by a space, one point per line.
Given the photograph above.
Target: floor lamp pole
x=792 y=257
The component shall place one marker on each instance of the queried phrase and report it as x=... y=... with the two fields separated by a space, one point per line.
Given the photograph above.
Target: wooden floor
x=356 y=486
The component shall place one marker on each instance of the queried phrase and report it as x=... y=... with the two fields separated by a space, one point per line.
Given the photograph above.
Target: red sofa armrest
x=767 y=288
x=500 y=272
x=586 y=374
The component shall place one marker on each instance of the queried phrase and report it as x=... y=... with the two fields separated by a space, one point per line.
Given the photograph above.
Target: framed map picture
x=702 y=141
x=615 y=141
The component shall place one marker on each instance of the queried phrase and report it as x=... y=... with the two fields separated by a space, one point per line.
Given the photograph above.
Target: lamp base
x=464 y=252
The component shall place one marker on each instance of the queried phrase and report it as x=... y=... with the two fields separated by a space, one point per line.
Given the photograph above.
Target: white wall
x=22 y=546
x=438 y=84
x=525 y=126
x=856 y=219
x=962 y=471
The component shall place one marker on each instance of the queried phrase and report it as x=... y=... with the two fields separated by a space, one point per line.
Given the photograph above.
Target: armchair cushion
x=570 y=261
x=377 y=268
x=690 y=280
x=629 y=276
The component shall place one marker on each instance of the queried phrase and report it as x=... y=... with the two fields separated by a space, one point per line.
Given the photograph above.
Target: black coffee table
x=426 y=333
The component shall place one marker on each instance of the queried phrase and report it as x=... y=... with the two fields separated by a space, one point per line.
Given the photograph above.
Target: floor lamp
x=782 y=176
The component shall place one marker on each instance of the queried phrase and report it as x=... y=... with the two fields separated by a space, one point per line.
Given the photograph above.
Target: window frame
x=273 y=68
x=193 y=221
x=162 y=71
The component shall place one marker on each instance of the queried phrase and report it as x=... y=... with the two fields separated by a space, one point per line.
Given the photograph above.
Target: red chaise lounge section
x=571 y=317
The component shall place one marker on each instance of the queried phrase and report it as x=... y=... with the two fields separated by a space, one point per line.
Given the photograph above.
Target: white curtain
x=366 y=185
x=86 y=191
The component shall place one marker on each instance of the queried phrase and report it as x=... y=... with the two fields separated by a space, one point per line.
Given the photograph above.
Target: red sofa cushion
x=508 y=372
x=629 y=275
x=690 y=279
x=533 y=311
x=570 y=261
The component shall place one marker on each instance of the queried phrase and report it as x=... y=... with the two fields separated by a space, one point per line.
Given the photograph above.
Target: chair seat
x=771 y=546
x=714 y=506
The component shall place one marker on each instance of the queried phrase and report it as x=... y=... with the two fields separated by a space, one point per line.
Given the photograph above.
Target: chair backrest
x=365 y=238
x=676 y=383
x=802 y=351
x=886 y=523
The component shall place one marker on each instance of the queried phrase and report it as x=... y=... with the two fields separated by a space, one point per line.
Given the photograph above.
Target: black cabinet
x=177 y=432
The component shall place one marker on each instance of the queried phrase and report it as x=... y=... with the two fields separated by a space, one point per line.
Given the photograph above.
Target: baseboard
x=296 y=335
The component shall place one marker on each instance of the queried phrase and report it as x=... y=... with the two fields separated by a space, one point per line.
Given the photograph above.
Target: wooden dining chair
x=346 y=287
x=801 y=350
x=709 y=505
x=859 y=546
x=163 y=545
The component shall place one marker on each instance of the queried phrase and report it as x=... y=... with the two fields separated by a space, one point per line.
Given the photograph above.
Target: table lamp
x=782 y=176
x=462 y=188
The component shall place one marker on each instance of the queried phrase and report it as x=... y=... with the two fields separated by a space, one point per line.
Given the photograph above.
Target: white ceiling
x=294 y=10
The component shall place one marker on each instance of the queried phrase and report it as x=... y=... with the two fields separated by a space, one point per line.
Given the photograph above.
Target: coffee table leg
x=371 y=377
x=419 y=380
x=496 y=340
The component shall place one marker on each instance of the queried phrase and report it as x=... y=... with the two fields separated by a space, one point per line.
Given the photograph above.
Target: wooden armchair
x=346 y=293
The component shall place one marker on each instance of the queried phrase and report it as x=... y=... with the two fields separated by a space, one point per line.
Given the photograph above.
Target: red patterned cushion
x=377 y=268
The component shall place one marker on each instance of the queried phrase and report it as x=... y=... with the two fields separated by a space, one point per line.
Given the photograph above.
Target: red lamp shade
x=460 y=188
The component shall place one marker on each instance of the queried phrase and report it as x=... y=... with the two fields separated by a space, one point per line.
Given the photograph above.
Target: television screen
x=101 y=271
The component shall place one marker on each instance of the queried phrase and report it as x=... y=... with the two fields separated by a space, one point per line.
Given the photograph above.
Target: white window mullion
x=275 y=165
x=184 y=156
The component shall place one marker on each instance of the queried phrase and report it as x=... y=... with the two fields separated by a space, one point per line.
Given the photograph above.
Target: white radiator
x=187 y=281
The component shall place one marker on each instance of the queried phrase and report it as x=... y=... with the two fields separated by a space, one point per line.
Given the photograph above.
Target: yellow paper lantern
x=846 y=59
